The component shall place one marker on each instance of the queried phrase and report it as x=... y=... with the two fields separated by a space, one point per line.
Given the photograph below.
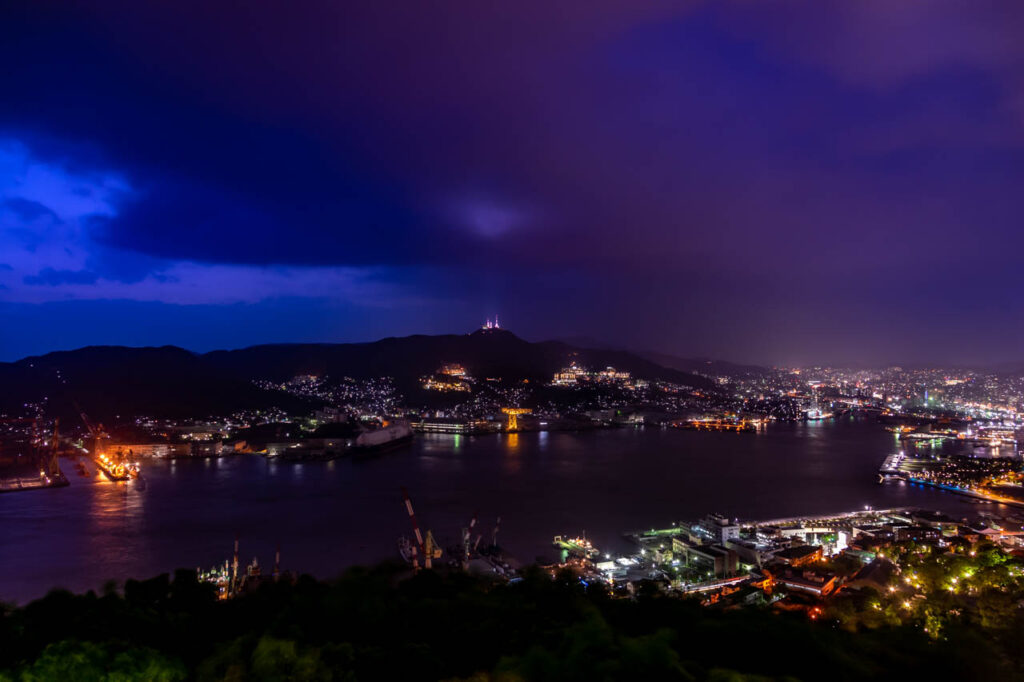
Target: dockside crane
x=52 y=465
x=494 y=535
x=427 y=547
x=96 y=431
x=467 y=535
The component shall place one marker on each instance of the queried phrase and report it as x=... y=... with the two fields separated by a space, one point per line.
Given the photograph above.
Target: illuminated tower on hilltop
x=491 y=324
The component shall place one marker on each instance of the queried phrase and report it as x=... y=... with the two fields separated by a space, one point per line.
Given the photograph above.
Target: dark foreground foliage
x=373 y=625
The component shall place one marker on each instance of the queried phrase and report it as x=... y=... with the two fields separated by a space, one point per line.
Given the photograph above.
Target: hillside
x=167 y=381
x=116 y=381
x=378 y=624
x=484 y=353
x=703 y=366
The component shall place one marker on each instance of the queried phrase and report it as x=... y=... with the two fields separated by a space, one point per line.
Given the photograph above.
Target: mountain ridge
x=117 y=381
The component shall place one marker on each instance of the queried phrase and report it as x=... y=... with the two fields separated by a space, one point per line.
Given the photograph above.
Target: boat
x=719 y=424
x=578 y=546
x=116 y=471
x=891 y=468
x=392 y=436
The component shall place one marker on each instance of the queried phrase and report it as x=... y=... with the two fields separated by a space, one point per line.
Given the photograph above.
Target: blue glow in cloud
x=52 y=220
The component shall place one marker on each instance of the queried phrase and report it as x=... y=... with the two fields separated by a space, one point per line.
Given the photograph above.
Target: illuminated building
x=453 y=370
x=800 y=555
x=611 y=374
x=570 y=375
x=450 y=377
x=435 y=384
x=720 y=560
x=457 y=426
x=574 y=374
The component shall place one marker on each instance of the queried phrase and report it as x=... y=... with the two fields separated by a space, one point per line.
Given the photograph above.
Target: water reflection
x=512 y=461
x=116 y=519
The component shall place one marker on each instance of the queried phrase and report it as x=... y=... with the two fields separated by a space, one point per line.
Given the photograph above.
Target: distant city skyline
x=776 y=184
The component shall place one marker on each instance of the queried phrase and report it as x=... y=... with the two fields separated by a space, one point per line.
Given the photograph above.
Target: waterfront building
x=451 y=425
x=720 y=561
x=720 y=528
x=118 y=451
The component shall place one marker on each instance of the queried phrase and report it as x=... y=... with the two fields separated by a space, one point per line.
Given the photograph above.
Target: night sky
x=769 y=182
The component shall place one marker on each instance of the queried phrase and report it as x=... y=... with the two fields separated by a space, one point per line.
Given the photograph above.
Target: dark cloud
x=625 y=169
x=27 y=210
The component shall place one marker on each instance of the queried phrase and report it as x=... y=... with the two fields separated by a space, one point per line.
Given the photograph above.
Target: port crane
x=512 y=425
x=428 y=547
x=494 y=535
x=52 y=466
x=96 y=431
x=114 y=470
x=467 y=535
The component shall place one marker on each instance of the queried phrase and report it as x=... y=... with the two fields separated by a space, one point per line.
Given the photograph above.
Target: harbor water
x=326 y=516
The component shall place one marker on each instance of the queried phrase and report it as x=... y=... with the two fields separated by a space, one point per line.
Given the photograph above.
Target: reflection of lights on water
x=512 y=462
x=457 y=443
x=542 y=440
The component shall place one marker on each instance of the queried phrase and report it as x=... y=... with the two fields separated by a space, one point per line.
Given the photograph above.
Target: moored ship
x=116 y=471
x=394 y=435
